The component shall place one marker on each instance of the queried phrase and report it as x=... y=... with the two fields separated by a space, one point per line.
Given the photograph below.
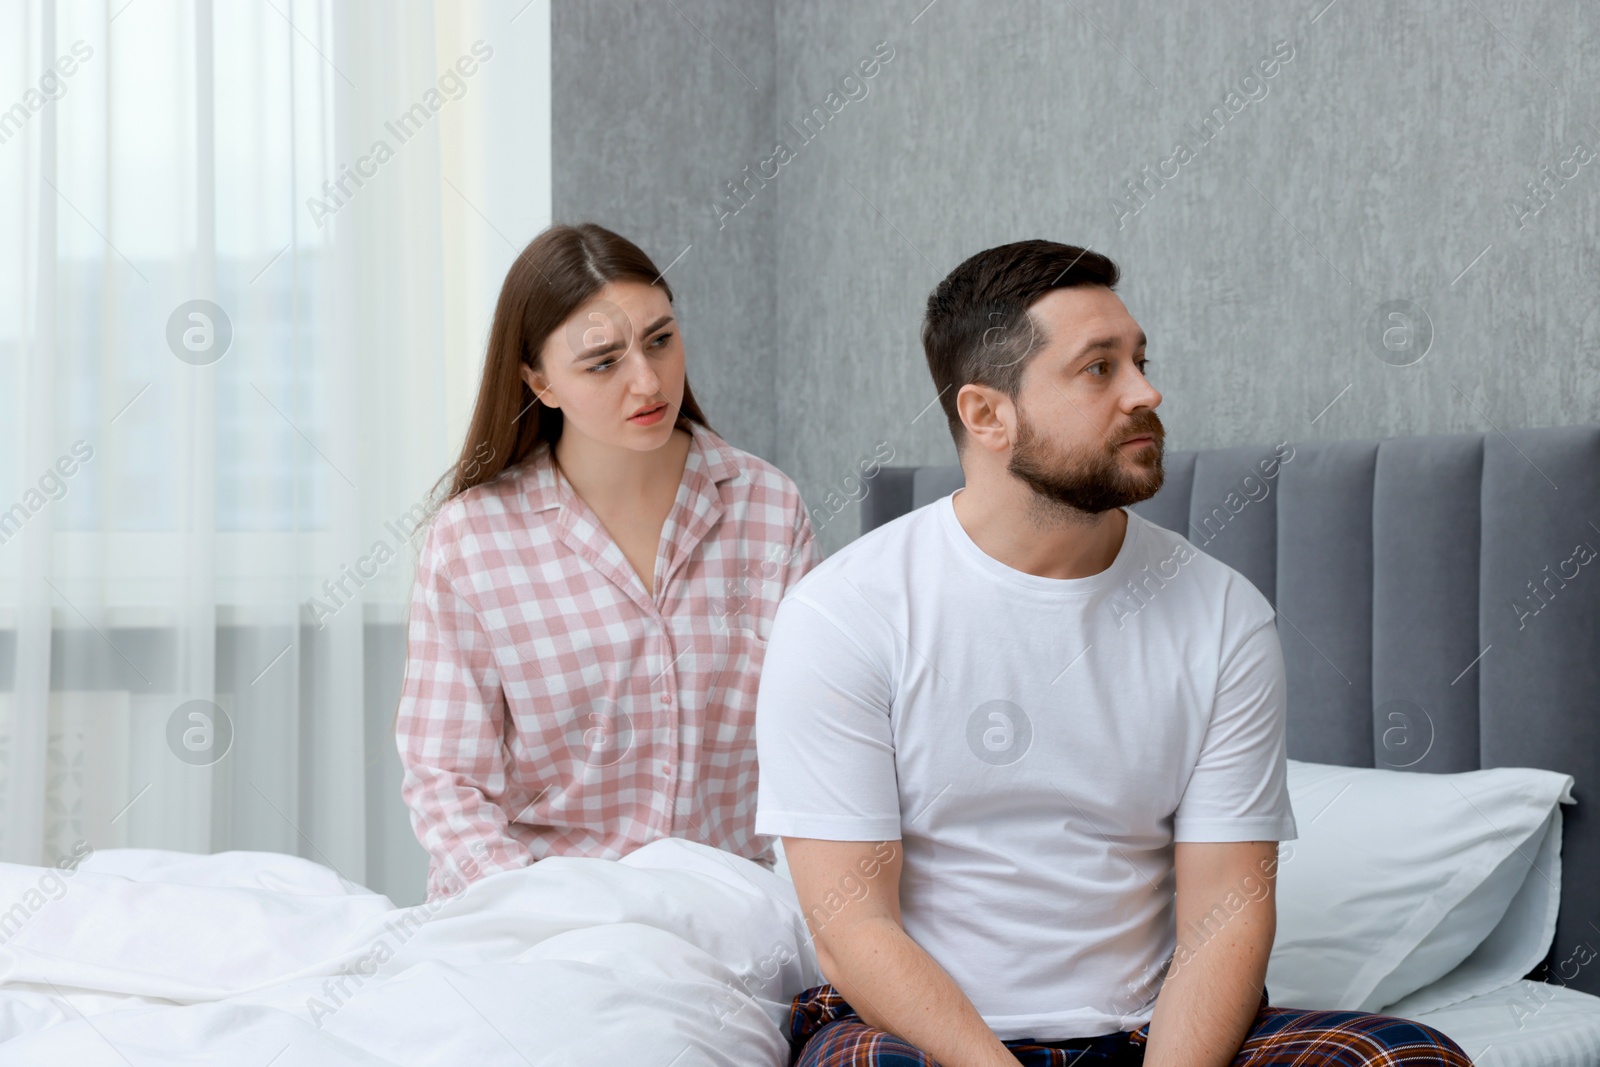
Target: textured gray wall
x=1378 y=164
x=1376 y=167
x=656 y=103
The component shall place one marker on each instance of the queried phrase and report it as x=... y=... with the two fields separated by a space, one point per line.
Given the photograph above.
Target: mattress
x=1525 y=1024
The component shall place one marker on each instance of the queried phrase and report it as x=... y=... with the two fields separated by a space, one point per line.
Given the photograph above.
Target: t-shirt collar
x=969 y=550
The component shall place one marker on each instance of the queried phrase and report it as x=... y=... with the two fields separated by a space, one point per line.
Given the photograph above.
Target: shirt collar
x=710 y=461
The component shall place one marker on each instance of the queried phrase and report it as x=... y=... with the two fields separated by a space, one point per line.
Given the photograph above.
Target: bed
x=1439 y=610
x=1422 y=668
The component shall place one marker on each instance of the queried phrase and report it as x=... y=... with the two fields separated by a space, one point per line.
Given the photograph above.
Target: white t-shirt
x=1037 y=744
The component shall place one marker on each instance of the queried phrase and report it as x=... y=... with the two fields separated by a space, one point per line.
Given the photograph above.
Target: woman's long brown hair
x=559 y=270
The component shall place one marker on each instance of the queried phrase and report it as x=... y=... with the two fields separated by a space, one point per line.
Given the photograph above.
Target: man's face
x=1083 y=400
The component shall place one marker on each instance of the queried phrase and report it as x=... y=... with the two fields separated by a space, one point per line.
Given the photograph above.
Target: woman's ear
x=540 y=387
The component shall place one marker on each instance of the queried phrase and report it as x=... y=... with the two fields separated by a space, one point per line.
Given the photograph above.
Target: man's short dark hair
x=978 y=329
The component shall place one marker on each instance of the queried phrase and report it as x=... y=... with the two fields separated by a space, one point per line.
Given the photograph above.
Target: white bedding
x=1525 y=1024
x=677 y=954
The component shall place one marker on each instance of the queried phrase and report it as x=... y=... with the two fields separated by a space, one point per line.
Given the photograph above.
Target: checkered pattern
x=551 y=706
x=824 y=1031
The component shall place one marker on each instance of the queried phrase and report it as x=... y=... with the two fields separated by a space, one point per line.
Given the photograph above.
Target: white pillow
x=1515 y=947
x=1398 y=877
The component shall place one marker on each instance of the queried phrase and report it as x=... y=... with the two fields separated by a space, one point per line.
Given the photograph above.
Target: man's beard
x=1091 y=480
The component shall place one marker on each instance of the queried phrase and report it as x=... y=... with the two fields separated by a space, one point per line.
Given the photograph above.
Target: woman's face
x=616 y=358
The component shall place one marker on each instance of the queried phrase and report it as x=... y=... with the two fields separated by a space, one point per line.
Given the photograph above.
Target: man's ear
x=989 y=416
x=540 y=387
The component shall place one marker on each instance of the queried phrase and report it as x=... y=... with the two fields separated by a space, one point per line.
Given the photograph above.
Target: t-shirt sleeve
x=823 y=739
x=1239 y=789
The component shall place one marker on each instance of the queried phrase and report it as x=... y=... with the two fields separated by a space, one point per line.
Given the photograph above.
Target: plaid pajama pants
x=824 y=1031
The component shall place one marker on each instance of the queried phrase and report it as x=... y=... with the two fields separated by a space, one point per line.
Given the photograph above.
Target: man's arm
x=867 y=956
x=1227 y=916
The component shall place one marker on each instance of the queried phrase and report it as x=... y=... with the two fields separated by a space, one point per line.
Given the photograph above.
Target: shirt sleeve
x=803 y=553
x=450 y=730
x=1239 y=789
x=823 y=737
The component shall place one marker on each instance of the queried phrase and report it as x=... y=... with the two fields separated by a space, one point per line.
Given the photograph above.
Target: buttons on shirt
x=685 y=634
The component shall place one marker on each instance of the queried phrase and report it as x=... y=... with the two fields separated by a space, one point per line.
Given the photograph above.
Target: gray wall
x=1380 y=165
x=655 y=105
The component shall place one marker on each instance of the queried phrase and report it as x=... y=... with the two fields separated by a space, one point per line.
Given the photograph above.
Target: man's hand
x=850 y=894
x=1227 y=917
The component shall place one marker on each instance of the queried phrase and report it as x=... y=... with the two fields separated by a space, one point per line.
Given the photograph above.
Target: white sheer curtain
x=248 y=253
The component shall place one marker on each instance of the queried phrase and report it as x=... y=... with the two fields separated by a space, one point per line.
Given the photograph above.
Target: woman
x=595 y=590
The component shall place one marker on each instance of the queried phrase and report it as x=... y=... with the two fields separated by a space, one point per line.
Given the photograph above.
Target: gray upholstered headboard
x=1438 y=600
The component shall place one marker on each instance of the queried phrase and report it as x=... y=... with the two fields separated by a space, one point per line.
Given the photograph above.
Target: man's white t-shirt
x=1037 y=744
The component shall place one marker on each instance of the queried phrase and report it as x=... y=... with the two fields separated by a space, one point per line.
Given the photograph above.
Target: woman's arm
x=450 y=733
x=801 y=554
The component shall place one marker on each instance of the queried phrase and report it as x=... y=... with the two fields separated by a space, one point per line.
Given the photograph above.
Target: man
x=1026 y=749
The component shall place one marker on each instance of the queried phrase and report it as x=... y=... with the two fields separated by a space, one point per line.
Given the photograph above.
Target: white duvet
x=678 y=954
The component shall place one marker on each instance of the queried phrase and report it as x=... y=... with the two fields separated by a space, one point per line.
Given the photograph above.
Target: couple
x=1004 y=806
